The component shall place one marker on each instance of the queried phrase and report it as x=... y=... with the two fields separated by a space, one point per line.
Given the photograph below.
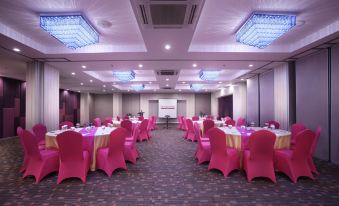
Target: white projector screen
x=167 y=107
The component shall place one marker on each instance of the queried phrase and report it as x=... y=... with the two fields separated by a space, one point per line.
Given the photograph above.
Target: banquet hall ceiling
x=125 y=41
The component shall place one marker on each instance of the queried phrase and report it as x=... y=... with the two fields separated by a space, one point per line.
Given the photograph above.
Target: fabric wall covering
x=12 y=106
x=69 y=105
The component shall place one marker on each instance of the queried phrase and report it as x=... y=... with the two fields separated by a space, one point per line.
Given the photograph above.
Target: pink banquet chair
x=295 y=129
x=227 y=118
x=97 y=122
x=112 y=157
x=130 y=149
x=19 y=132
x=183 y=119
x=143 y=135
x=195 y=118
x=128 y=125
x=141 y=118
x=126 y=117
x=294 y=163
x=313 y=148
x=230 y=122
x=203 y=152
x=222 y=158
x=39 y=162
x=190 y=135
x=154 y=122
x=149 y=127
x=275 y=123
x=210 y=117
x=180 y=126
x=40 y=131
x=74 y=161
x=107 y=121
x=207 y=124
x=68 y=123
x=241 y=121
x=258 y=160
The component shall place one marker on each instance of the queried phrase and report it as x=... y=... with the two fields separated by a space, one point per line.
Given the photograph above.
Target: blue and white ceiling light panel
x=196 y=87
x=72 y=30
x=261 y=29
x=208 y=75
x=124 y=76
x=138 y=87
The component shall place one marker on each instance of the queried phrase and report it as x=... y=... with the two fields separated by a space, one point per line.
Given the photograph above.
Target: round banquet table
x=118 y=123
x=92 y=140
x=217 y=123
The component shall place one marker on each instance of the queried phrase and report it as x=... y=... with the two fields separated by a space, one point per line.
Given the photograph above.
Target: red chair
x=19 y=132
x=127 y=124
x=68 y=123
x=222 y=158
x=74 y=161
x=241 y=121
x=275 y=123
x=190 y=131
x=108 y=121
x=294 y=163
x=258 y=160
x=97 y=122
x=143 y=135
x=112 y=157
x=227 y=118
x=207 y=124
x=230 y=122
x=210 y=117
x=130 y=149
x=40 y=131
x=183 y=119
x=203 y=152
x=295 y=129
x=195 y=118
x=39 y=162
x=141 y=118
x=313 y=148
x=109 y=118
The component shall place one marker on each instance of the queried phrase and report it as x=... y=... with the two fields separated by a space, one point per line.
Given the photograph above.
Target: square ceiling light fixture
x=196 y=87
x=208 y=75
x=138 y=87
x=124 y=76
x=261 y=29
x=72 y=30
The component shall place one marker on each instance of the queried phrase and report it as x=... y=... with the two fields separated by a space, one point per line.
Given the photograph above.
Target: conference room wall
x=86 y=108
x=266 y=87
x=253 y=100
x=203 y=103
x=214 y=99
x=103 y=106
x=130 y=104
x=335 y=104
x=312 y=96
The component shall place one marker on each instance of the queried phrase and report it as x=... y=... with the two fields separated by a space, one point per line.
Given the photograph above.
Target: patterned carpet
x=166 y=173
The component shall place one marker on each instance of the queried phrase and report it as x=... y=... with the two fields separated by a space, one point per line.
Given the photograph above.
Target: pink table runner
x=245 y=137
x=88 y=140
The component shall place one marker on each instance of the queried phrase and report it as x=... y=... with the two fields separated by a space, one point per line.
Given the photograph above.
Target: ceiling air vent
x=166 y=88
x=167 y=72
x=143 y=14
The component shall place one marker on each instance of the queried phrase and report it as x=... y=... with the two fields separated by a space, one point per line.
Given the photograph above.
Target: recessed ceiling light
x=81 y=83
x=83 y=66
x=104 y=90
x=220 y=82
x=184 y=82
x=67 y=89
x=79 y=91
x=242 y=79
x=167 y=79
x=112 y=89
x=194 y=65
x=150 y=82
x=73 y=73
x=90 y=80
x=140 y=65
x=16 y=49
x=251 y=65
x=128 y=90
x=104 y=85
x=155 y=90
x=179 y=90
x=166 y=85
x=167 y=46
x=206 y=90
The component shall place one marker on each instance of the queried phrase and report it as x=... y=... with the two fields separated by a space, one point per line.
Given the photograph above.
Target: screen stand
x=167 y=118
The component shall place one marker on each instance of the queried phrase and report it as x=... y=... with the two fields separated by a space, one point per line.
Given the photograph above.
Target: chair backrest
x=116 y=141
x=316 y=140
x=184 y=122
x=40 y=131
x=127 y=124
x=195 y=118
x=141 y=118
x=126 y=117
x=150 y=123
x=207 y=124
x=70 y=146
x=154 y=118
x=227 y=118
x=189 y=125
x=108 y=118
x=108 y=121
x=136 y=133
x=230 y=122
x=241 y=121
x=218 y=141
x=68 y=123
x=302 y=149
x=143 y=125
x=197 y=132
x=210 y=117
x=261 y=145
x=97 y=122
x=275 y=123
x=295 y=129
x=30 y=144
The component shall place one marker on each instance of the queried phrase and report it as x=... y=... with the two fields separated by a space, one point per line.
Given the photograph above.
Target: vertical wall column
x=42 y=95
x=117 y=104
x=239 y=101
x=86 y=108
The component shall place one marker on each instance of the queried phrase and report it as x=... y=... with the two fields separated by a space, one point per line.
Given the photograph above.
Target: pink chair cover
x=19 y=132
x=222 y=158
x=108 y=121
x=313 y=148
x=241 y=121
x=275 y=123
x=68 y=123
x=294 y=163
x=127 y=124
x=40 y=131
x=230 y=122
x=210 y=117
x=143 y=135
x=207 y=124
x=295 y=129
x=39 y=162
x=112 y=157
x=74 y=161
x=195 y=118
x=97 y=122
x=190 y=130
x=126 y=117
x=154 y=122
x=180 y=122
x=258 y=160
x=141 y=118
x=183 y=119
x=130 y=149
x=203 y=152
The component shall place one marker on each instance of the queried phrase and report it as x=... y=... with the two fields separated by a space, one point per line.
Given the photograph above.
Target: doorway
x=225 y=106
